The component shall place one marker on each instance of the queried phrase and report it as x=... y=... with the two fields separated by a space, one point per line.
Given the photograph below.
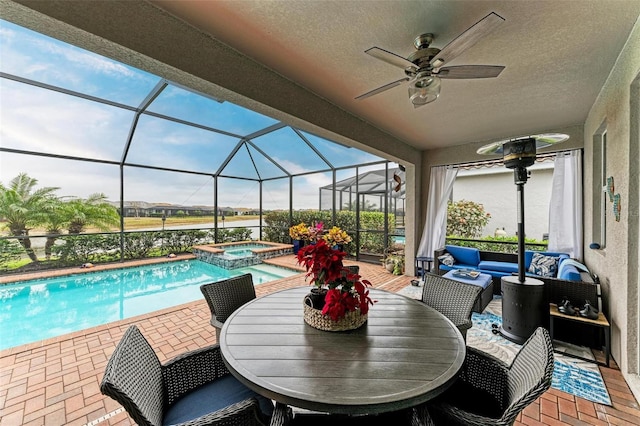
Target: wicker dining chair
x=224 y=297
x=353 y=269
x=453 y=299
x=490 y=392
x=194 y=388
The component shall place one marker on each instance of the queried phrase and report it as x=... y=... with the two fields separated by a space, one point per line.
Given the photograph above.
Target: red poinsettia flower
x=346 y=291
x=322 y=263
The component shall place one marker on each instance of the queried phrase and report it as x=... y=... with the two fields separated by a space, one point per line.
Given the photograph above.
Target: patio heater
x=523 y=307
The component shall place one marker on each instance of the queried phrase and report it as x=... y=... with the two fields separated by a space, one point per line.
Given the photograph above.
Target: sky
x=41 y=120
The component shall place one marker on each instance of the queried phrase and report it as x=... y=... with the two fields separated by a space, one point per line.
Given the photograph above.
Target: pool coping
x=213 y=248
x=50 y=273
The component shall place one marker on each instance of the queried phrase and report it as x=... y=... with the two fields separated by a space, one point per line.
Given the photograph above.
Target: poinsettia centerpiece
x=344 y=291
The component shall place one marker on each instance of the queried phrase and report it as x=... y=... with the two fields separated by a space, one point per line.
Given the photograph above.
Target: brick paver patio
x=56 y=381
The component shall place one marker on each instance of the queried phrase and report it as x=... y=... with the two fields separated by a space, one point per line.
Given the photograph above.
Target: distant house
x=145 y=209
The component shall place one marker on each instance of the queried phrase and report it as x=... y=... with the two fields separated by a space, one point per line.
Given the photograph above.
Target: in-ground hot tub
x=240 y=254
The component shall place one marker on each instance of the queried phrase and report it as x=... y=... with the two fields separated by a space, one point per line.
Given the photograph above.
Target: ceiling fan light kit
x=424 y=90
x=423 y=68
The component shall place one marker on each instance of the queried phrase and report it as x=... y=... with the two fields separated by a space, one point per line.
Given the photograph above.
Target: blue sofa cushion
x=544 y=266
x=465 y=255
x=492 y=265
x=444 y=267
x=212 y=397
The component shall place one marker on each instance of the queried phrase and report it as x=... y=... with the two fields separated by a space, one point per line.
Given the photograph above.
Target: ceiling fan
x=424 y=68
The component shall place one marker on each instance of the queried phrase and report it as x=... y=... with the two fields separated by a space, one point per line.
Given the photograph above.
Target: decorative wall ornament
x=610 y=187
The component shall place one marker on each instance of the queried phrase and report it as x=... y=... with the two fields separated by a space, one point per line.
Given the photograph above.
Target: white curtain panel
x=435 y=228
x=565 y=207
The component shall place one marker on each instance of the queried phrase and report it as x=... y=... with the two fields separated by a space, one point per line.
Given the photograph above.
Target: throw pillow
x=447 y=259
x=544 y=266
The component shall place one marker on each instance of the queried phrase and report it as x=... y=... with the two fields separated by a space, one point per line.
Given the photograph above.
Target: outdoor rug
x=571 y=375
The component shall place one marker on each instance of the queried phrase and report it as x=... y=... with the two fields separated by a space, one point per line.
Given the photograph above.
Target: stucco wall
x=617 y=264
x=467 y=154
x=495 y=189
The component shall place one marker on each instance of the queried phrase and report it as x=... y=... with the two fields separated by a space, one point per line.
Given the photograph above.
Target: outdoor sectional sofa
x=569 y=283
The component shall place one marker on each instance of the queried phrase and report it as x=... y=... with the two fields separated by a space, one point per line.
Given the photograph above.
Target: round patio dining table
x=405 y=354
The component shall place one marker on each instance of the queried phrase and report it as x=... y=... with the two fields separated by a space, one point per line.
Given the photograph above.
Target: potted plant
x=337 y=294
x=299 y=234
x=394 y=263
x=336 y=238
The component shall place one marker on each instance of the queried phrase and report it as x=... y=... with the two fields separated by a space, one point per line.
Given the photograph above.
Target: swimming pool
x=39 y=309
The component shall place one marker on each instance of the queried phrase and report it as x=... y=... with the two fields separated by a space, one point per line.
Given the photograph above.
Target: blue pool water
x=238 y=252
x=40 y=309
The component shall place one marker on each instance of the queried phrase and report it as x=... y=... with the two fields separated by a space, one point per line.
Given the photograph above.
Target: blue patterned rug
x=571 y=375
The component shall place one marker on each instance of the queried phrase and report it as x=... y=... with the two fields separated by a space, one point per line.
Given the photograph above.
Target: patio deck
x=56 y=381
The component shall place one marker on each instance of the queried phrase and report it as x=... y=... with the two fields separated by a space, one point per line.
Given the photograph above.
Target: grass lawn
x=155 y=222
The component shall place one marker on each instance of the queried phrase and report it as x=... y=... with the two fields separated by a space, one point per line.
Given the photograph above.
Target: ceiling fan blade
x=390 y=58
x=470 y=71
x=383 y=88
x=467 y=39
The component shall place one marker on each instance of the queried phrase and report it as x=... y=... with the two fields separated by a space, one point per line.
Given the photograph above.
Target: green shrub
x=10 y=252
x=466 y=218
x=277 y=229
x=78 y=249
x=181 y=241
x=233 y=235
x=499 y=244
x=139 y=244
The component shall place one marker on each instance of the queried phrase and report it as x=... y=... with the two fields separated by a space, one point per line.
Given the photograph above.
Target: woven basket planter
x=351 y=321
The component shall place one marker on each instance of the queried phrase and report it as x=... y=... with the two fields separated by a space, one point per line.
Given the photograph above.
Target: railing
x=499 y=244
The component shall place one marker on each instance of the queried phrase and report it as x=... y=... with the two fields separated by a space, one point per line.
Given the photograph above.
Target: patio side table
x=601 y=322
x=421 y=269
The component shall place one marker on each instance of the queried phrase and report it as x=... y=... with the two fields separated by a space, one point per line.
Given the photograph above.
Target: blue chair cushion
x=212 y=397
x=465 y=255
x=465 y=397
x=492 y=265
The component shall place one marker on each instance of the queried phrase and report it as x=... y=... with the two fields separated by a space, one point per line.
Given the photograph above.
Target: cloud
x=39 y=120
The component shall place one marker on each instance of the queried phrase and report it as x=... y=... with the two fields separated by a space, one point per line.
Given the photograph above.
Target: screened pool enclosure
x=83 y=124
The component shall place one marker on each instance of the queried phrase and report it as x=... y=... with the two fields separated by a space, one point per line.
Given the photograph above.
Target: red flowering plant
x=345 y=291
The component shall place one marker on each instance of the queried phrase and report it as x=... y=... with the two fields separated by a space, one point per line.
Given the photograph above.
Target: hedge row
x=99 y=248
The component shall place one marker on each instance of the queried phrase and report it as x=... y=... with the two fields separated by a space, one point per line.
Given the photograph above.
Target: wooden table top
x=406 y=354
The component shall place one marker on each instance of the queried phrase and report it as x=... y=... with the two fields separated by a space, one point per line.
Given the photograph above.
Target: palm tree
x=23 y=207
x=75 y=214
x=92 y=211
x=55 y=223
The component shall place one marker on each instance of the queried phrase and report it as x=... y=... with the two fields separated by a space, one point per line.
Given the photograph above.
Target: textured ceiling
x=557 y=56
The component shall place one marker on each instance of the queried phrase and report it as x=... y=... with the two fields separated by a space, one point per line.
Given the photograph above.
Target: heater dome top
x=542 y=141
